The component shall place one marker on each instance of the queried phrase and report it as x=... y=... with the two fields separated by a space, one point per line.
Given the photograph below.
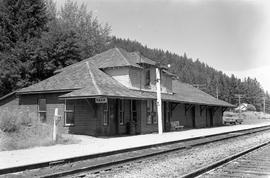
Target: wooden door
x=166 y=116
x=211 y=118
x=113 y=117
x=193 y=116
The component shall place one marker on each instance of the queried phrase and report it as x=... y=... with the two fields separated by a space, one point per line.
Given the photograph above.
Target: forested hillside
x=36 y=40
x=201 y=75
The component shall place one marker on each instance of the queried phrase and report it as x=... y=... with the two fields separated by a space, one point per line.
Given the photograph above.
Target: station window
x=154 y=111
x=148 y=111
x=121 y=112
x=42 y=110
x=105 y=114
x=134 y=110
x=147 y=78
x=151 y=109
x=69 y=114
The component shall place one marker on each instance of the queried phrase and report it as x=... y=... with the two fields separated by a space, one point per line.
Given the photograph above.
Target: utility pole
x=159 y=69
x=159 y=103
x=264 y=104
x=239 y=96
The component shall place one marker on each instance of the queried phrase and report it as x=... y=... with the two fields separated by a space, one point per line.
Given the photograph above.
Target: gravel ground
x=182 y=162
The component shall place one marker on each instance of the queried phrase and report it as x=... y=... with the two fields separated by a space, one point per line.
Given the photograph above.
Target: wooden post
x=54 y=124
x=159 y=104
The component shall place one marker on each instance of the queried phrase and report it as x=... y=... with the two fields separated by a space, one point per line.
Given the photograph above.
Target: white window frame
x=133 y=111
x=149 y=119
x=147 y=83
x=106 y=114
x=41 y=111
x=154 y=110
x=121 y=112
x=65 y=115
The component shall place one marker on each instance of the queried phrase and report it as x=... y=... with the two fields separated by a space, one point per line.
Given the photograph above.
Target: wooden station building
x=114 y=93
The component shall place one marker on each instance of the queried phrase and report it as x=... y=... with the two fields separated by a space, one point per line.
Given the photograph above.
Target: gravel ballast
x=181 y=162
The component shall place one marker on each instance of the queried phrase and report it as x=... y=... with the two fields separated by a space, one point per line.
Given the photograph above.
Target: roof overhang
x=142 y=98
x=7 y=95
x=125 y=66
x=45 y=91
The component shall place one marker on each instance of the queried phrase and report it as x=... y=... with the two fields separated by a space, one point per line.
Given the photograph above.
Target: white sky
x=229 y=35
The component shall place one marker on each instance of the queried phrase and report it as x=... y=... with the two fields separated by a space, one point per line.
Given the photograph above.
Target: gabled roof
x=101 y=84
x=140 y=59
x=70 y=79
x=187 y=93
x=115 y=57
x=85 y=79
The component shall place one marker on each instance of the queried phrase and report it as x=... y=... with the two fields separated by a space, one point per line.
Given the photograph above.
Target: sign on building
x=101 y=100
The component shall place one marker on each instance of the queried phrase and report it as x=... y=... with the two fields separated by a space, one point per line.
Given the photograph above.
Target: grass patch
x=20 y=130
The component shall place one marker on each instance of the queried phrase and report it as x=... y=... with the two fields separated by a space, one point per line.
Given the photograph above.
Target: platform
x=91 y=145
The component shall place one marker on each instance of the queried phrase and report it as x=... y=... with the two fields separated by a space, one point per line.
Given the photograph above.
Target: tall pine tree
x=21 y=25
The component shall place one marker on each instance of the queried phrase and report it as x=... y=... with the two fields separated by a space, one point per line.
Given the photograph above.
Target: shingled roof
x=115 y=57
x=187 y=93
x=85 y=79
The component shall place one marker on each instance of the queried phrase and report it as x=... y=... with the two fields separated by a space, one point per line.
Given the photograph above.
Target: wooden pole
x=54 y=124
x=159 y=103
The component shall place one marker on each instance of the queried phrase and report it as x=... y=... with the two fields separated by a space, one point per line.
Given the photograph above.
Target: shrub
x=250 y=107
x=11 y=121
x=8 y=121
x=21 y=129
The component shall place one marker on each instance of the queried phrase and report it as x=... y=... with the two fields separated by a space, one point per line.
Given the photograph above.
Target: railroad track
x=253 y=162
x=115 y=160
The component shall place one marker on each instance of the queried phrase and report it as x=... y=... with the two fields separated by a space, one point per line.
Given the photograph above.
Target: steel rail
x=227 y=135
x=222 y=162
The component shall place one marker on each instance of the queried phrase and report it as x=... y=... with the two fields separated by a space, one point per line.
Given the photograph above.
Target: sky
x=229 y=35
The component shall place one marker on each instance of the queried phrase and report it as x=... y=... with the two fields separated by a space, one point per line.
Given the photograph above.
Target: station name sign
x=101 y=100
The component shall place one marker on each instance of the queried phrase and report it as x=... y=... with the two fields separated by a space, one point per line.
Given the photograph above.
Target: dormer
x=132 y=70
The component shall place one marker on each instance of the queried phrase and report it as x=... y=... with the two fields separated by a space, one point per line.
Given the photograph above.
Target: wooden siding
x=121 y=74
x=146 y=128
x=31 y=103
x=84 y=112
x=178 y=114
x=218 y=121
x=135 y=78
x=123 y=128
x=85 y=117
x=89 y=115
x=200 y=117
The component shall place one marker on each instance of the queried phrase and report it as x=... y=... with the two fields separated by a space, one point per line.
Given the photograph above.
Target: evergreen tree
x=196 y=72
x=93 y=37
x=58 y=49
x=36 y=40
x=21 y=23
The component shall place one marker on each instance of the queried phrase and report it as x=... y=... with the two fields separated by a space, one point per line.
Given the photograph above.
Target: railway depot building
x=114 y=93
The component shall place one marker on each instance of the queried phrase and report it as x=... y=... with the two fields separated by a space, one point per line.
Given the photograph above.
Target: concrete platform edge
x=79 y=158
